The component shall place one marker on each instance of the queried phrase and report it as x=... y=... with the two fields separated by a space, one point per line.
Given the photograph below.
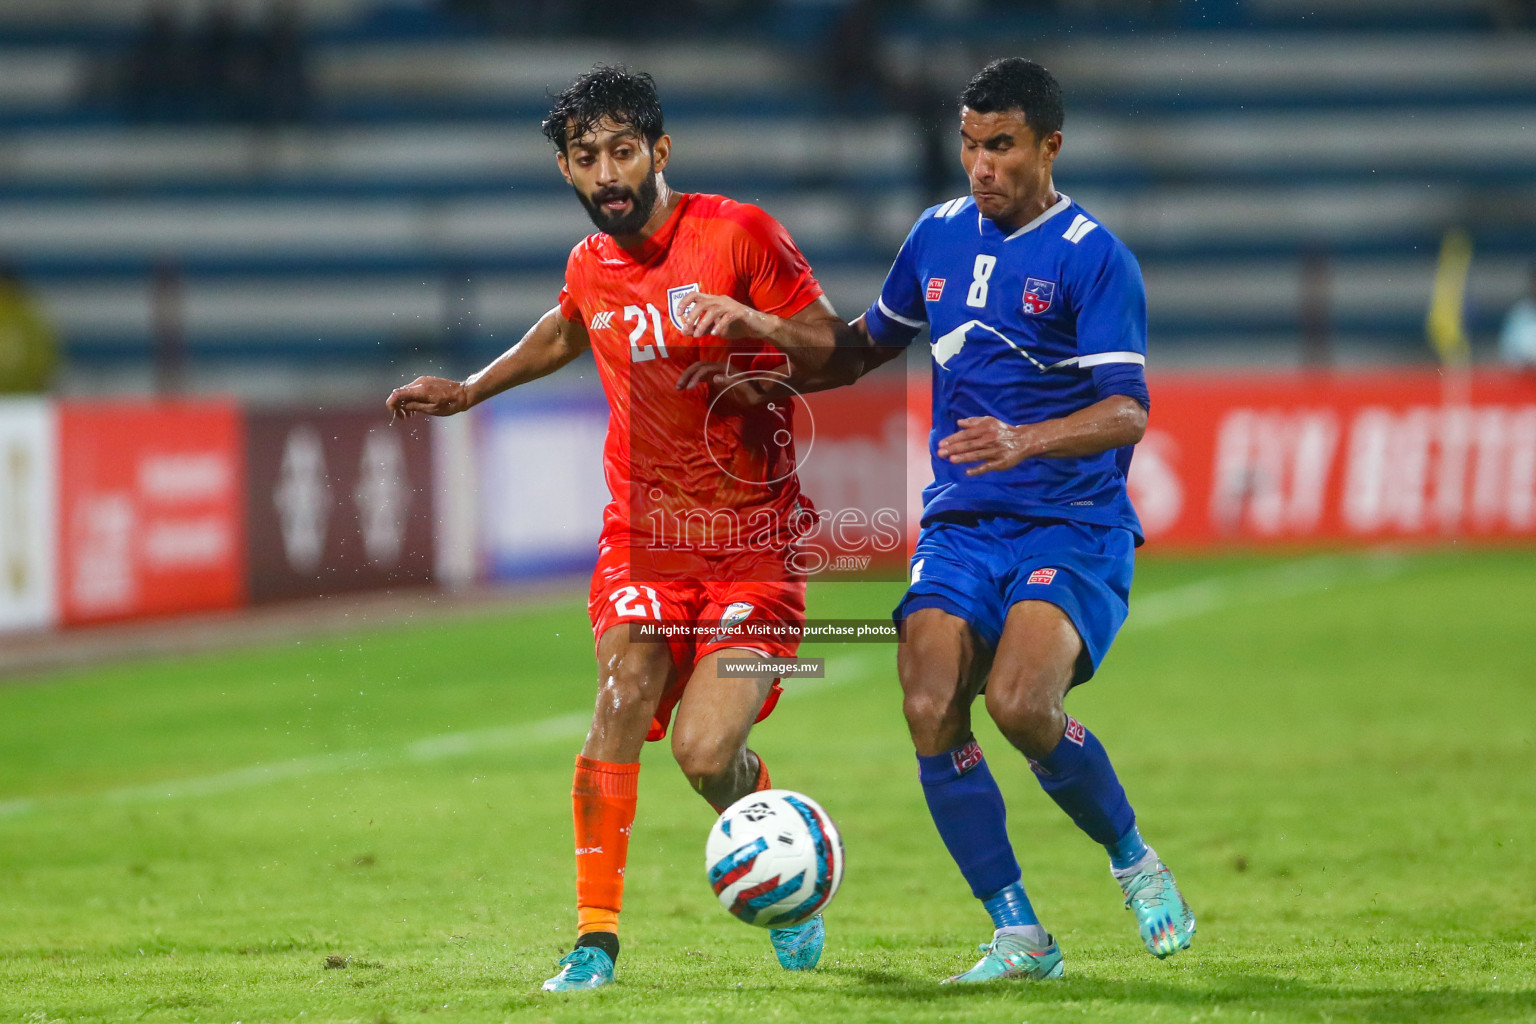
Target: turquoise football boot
x=1162 y=914
x=799 y=948
x=1013 y=956
x=582 y=968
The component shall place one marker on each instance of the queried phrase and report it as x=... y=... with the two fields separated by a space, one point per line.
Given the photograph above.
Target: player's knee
x=705 y=762
x=937 y=721
x=926 y=709
x=1030 y=716
x=631 y=682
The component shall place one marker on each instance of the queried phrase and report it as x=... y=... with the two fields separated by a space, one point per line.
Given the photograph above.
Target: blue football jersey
x=1017 y=322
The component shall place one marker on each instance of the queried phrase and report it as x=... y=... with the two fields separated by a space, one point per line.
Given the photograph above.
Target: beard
x=641 y=204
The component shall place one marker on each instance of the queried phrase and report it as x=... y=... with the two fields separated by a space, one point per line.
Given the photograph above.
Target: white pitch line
x=843 y=668
x=1290 y=579
x=432 y=748
x=13 y=808
x=1158 y=609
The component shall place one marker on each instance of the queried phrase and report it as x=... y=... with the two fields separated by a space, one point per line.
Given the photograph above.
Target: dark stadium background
x=282 y=210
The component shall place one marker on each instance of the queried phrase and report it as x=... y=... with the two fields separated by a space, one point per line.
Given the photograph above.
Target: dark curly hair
x=605 y=92
x=1014 y=83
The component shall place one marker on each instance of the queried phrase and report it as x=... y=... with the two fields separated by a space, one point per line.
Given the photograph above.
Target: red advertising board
x=338 y=500
x=150 y=509
x=1337 y=458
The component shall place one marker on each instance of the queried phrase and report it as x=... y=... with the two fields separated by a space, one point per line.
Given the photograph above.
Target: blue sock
x=1127 y=851
x=1079 y=777
x=968 y=810
x=1010 y=908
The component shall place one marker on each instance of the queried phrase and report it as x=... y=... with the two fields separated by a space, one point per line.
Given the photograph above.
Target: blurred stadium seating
x=1285 y=176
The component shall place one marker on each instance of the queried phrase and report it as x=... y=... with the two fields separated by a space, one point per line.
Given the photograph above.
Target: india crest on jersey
x=675 y=299
x=1038 y=295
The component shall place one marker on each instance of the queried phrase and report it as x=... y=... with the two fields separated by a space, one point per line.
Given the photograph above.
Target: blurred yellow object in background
x=1446 y=323
x=28 y=347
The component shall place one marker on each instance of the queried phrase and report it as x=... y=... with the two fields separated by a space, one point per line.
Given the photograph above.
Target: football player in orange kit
x=706 y=507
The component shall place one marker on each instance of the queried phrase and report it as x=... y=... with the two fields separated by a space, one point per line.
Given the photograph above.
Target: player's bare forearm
x=548 y=345
x=808 y=339
x=854 y=355
x=814 y=339
x=1113 y=422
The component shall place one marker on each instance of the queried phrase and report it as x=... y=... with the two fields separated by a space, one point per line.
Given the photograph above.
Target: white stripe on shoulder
x=1081 y=225
x=949 y=209
x=1104 y=358
x=895 y=315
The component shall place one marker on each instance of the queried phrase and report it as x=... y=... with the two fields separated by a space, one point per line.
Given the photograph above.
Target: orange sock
x=763 y=781
x=603 y=803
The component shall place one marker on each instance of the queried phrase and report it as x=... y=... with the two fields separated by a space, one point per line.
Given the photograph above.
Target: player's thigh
x=1034 y=665
x=942 y=663
x=631 y=665
x=717 y=709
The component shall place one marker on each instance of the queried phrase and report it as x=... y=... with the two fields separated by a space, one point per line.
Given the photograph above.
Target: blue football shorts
x=979 y=566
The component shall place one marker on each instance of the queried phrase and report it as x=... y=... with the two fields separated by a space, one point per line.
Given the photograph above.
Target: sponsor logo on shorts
x=967 y=757
x=736 y=614
x=602 y=321
x=935 y=289
x=1075 y=731
x=1042 y=576
x=917 y=570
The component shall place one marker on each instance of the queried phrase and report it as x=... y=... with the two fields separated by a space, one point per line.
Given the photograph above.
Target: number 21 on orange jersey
x=641 y=351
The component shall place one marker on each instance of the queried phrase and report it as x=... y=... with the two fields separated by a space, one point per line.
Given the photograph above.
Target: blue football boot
x=1013 y=956
x=799 y=948
x=1162 y=914
x=582 y=968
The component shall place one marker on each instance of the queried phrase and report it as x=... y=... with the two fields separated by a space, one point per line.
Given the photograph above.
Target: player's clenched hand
x=987 y=440
x=704 y=315
x=741 y=390
x=434 y=396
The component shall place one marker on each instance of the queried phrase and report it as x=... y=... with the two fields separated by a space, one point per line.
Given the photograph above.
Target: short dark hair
x=605 y=92
x=1013 y=83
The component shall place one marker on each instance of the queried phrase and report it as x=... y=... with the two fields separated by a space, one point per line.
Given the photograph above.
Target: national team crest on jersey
x=735 y=614
x=935 y=289
x=1038 y=295
x=675 y=297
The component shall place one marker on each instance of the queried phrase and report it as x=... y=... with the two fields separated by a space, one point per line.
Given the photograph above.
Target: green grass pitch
x=1336 y=754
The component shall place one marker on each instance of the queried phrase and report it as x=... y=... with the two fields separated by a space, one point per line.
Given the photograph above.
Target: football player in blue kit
x=1022 y=573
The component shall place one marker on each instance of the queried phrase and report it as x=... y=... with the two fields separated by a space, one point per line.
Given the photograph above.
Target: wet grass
x=1338 y=760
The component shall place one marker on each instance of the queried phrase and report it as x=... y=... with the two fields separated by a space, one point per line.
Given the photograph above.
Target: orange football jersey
x=700 y=490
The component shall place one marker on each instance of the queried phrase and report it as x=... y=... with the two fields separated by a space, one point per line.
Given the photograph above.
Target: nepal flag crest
x=1038 y=295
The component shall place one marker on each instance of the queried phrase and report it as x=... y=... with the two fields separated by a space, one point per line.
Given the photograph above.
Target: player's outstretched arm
x=854 y=355
x=548 y=345
x=808 y=339
x=1113 y=422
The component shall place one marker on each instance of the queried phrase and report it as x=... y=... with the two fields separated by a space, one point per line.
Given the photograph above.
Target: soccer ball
x=774 y=858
